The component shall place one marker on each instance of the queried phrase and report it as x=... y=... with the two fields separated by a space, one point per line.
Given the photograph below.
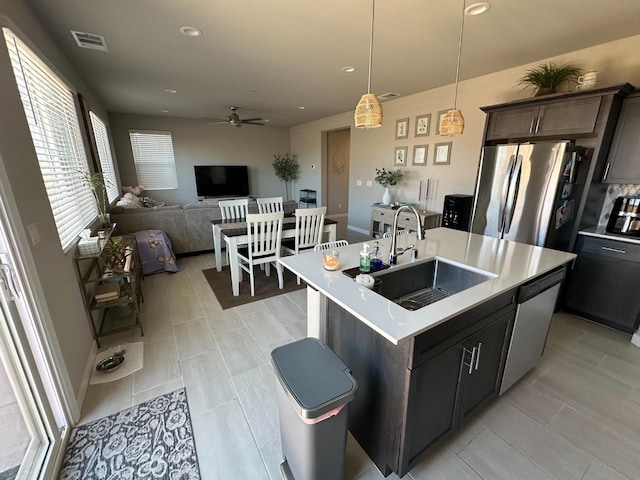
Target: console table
x=382 y=220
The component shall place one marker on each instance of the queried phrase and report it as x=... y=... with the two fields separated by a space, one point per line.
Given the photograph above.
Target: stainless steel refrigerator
x=529 y=192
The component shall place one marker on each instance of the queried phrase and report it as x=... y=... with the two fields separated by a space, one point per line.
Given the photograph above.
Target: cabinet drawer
x=382 y=214
x=609 y=248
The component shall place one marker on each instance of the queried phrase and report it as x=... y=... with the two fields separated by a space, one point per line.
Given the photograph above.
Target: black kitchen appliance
x=625 y=217
x=456 y=212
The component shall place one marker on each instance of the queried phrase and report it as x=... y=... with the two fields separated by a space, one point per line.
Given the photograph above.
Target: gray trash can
x=314 y=390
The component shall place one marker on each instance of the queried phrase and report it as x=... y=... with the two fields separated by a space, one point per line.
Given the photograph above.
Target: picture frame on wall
x=400 y=157
x=442 y=153
x=420 y=153
x=402 y=129
x=439 y=116
x=423 y=125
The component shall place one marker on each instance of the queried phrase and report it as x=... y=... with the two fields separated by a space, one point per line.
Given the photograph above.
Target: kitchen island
x=422 y=373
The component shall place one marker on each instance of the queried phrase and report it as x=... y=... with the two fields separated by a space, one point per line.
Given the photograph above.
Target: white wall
x=195 y=142
x=371 y=149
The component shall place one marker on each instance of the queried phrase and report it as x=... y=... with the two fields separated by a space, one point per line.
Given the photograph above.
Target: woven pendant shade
x=452 y=123
x=368 y=112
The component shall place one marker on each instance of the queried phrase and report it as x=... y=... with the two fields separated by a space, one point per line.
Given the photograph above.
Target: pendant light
x=369 y=110
x=453 y=122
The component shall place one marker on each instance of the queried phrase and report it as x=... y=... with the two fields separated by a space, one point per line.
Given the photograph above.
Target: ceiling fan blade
x=219 y=122
x=253 y=119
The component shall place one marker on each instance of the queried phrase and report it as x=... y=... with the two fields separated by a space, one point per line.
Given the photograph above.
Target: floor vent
x=388 y=96
x=89 y=40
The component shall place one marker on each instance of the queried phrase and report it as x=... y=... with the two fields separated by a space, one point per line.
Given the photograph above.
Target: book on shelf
x=107 y=291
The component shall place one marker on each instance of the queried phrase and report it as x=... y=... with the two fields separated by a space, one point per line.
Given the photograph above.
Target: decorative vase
x=386 y=197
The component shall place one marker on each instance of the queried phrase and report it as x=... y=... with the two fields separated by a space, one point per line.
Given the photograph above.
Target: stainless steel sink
x=424 y=283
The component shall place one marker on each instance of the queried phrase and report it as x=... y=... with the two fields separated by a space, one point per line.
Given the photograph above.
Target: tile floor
x=575 y=416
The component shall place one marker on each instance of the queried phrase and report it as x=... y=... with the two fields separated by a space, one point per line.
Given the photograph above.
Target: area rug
x=153 y=440
x=265 y=287
x=133 y=361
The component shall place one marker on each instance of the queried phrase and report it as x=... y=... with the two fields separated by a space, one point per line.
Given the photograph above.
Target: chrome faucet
x=393 y=253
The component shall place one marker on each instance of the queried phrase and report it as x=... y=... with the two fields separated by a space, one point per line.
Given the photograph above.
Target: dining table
x=234 y=233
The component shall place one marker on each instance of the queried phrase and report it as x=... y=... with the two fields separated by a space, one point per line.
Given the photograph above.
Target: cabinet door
x=604 y=288
x=483 y=356
x=512 y=123
x=431 y=404
x=624 y=165
x=568 y=117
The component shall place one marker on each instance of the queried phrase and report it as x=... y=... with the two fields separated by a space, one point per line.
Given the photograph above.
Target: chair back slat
x=269 y=204
x=309 y=226
x=232 y=209
x=264 y=232
x=330 y=245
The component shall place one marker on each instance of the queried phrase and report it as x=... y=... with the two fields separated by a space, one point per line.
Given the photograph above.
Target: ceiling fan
x=236 y=121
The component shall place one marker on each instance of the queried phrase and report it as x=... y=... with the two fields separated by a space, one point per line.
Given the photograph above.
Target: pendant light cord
x=455 y=92
x=373 y=10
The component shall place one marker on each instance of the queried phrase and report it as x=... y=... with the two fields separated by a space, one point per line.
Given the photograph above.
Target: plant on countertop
x=387 y=177
x=546 y=77
x=286 y=168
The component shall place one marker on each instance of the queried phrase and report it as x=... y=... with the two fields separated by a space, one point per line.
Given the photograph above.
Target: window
x=104 y=154
x=153 y=157
x=51 y=114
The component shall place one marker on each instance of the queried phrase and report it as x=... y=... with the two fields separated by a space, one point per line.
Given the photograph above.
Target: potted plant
x=286 y=168
x=387 y=178
x=546 y=77
x=99 y=190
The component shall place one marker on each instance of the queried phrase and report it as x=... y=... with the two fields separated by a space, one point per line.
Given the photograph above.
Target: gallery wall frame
x=420 y=155
x=400 y=157
x=423 y=125
x=402 y=129
x=442 y=153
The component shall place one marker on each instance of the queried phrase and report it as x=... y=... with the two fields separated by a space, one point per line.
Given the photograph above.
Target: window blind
x=154 y=160
x=51 y=114
x=104 y=154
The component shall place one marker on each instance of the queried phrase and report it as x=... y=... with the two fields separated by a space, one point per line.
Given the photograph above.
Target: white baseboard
x=636 y=339
x=86 y=376
x=359 y=230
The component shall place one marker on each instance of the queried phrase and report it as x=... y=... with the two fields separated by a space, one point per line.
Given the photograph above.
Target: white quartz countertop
x=510 y=263
x=601 y=232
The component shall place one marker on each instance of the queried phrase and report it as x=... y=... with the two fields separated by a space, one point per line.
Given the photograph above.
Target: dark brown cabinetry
x=603 y=285
x=568 y=117
x=623 y=164
x=413 y=395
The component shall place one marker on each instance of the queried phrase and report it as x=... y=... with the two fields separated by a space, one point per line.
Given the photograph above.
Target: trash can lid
x=314 y=377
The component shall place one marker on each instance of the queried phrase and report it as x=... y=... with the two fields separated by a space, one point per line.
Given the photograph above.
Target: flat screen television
x=222 y=180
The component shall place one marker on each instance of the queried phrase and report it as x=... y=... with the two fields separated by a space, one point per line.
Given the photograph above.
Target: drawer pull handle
x=533 y=119
x=616 y=250
x=473 y=356
x=478 y=355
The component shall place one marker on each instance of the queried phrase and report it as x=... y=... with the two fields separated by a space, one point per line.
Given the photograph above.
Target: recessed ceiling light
x=477 y=8
x=170 y=90
x=190 y=31
x=301 y=107
x=348 y=69
x=164 y=111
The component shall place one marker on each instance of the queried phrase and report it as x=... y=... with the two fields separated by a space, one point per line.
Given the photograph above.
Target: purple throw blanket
x=155 y=252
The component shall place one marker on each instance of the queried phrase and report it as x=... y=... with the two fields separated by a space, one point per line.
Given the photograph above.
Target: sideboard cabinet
x=382 y=220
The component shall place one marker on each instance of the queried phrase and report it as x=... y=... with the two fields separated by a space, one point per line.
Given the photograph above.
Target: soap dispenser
x=376 y=261
x=365 y=258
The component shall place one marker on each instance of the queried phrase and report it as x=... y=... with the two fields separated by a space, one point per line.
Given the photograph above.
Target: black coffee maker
x=456 y=212
x=625 y=217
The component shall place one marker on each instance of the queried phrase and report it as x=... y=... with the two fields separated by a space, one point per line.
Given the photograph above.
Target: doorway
x=336 y=174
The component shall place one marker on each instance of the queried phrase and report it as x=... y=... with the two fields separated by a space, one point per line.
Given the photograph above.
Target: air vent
x=387 y=96
x=89 y=40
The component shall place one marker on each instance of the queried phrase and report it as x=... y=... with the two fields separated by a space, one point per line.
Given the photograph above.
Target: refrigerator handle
x=513 y=194
x=506 y=187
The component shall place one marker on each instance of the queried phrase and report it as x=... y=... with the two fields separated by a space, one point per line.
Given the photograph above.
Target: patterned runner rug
x=153 y=440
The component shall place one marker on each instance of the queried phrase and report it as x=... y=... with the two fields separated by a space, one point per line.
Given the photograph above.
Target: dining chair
x=264 y=232
x=309 y=226
x=399 y=232
x=269 y=204
x=330 y=245
x=232 y=209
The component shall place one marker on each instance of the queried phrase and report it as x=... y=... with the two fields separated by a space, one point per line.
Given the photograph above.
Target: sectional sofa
x=188 y=226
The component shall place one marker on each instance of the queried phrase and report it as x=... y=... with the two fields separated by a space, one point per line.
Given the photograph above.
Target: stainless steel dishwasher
x=536 y=303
